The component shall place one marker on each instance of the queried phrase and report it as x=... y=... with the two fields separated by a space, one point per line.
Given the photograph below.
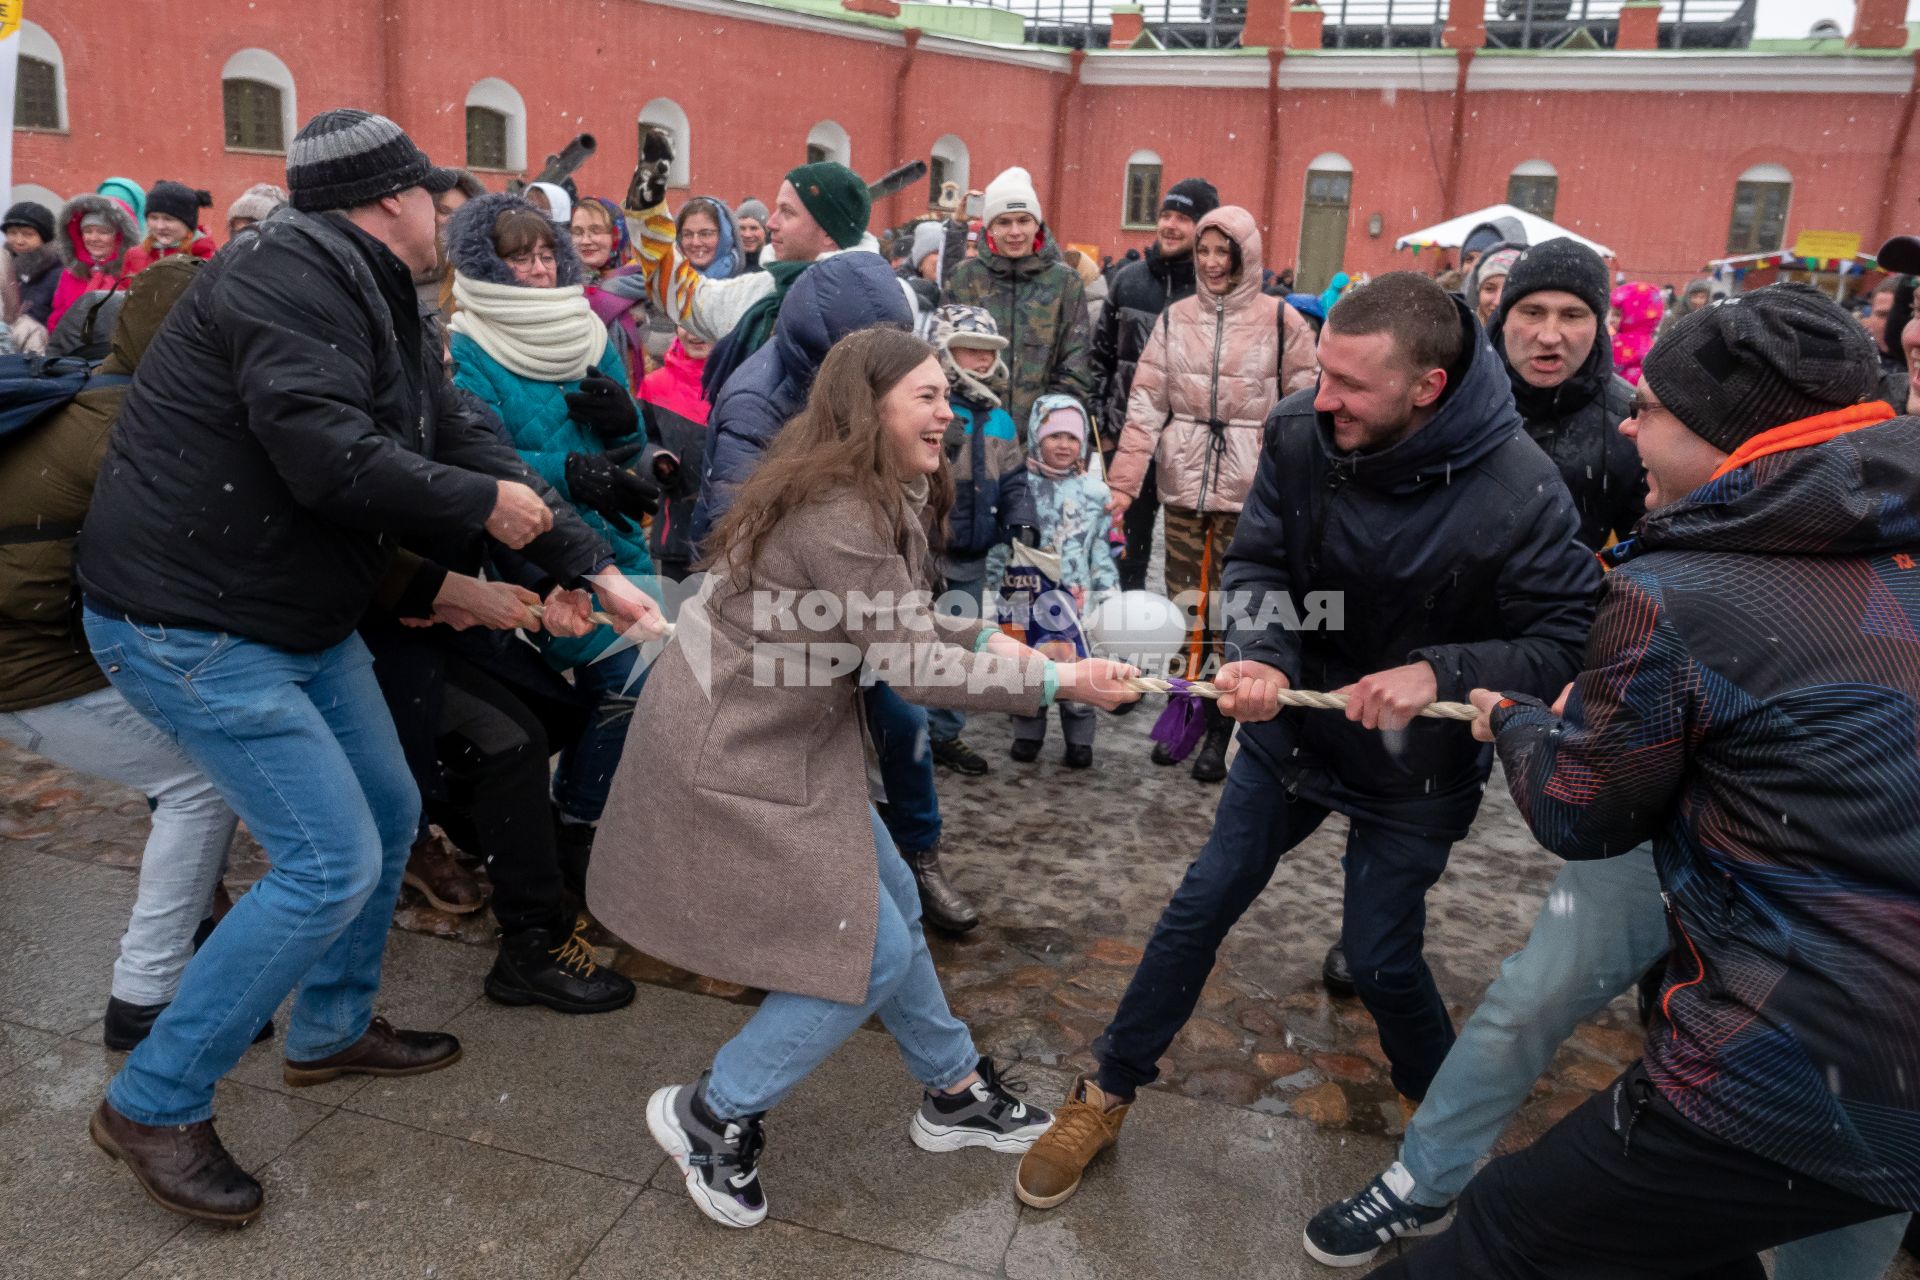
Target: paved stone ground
x=530 y=1158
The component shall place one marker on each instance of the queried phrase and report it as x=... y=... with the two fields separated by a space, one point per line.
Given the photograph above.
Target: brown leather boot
x=181 y=1167
x=382 y=1051
x=438 y=875
x=1086 y=1124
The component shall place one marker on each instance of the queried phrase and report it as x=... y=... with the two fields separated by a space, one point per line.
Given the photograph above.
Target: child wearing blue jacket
x=991 y=502
x=1070 y=506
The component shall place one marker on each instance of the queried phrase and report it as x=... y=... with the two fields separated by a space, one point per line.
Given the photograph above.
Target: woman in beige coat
x=1216 y=365
x=769 y=866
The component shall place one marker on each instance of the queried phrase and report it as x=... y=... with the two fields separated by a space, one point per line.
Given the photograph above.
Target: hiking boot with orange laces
x=1086 y=1124
x=541 y=966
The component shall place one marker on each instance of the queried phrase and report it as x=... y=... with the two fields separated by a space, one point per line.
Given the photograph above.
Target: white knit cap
x=1011 y=192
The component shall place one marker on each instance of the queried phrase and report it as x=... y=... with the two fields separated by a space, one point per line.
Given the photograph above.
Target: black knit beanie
x=1746 y=365
x=27 y=213
x=178 y=200
x=1563 y=264
x=347 y=157
x=1194 y=197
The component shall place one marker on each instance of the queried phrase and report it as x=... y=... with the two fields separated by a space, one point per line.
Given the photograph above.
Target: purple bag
x=1183 y=723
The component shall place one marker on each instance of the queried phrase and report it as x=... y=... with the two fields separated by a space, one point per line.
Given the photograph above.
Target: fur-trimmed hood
x=470 y=243
x=72 y=248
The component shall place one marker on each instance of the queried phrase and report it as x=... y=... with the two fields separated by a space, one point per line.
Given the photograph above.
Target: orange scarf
x=1805 y=433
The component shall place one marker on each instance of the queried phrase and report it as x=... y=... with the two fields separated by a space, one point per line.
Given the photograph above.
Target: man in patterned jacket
x=1751 y=703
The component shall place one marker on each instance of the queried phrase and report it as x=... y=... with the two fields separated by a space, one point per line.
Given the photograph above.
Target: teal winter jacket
x=538 y=426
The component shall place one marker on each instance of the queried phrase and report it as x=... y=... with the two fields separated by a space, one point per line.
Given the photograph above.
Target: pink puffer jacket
x=1213 y=360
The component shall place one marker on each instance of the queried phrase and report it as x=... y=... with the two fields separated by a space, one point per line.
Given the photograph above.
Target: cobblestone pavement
x=1070 y=870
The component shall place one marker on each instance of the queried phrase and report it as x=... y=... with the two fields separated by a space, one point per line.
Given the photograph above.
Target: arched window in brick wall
x=40 y=91
x=1534 y=186
x=828 y=141
x=1761 y=197
x=45 y=197
x=257 y=99
x=1142 y=189
x=950 y=163
x=496 y=127
x=667 y=115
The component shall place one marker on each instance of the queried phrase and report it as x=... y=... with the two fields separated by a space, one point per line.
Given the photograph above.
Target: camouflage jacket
x=1040 y=307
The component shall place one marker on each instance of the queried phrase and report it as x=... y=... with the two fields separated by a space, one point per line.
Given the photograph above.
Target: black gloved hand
x=599 y=483
x=649 y=185
x=1026 y=535
x=603 y=407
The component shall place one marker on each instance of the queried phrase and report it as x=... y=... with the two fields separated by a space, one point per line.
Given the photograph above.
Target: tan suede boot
x=1086 y=1124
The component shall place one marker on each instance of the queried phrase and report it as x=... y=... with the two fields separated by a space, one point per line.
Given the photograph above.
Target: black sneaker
x=719 y=1158
x=126 y=1025
x=542 y=966
x=1024 y=750
x=1350 y=1233
x=986 y=1115
x=959 y=757
x=1078 y=757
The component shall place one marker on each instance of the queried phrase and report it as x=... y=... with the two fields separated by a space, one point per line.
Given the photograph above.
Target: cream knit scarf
x=549 y=335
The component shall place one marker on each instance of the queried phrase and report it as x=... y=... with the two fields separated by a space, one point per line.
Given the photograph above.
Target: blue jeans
x=302 y=747
x=899 y=732
x=585 y=774
x=1388 y=874
x=966 y=576
x=791 y=1035
x=1602 y=926
x=99 y=734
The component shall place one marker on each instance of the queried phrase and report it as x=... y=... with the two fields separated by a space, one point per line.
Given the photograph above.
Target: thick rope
x=1299 y=698
x=1200 y=689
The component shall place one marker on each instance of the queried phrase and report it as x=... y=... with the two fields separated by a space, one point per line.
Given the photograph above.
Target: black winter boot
x=1210 y=762
x=545 y=966
x=942 y=904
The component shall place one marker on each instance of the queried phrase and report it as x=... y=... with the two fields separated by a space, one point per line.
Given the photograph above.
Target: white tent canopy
x=1450 y=234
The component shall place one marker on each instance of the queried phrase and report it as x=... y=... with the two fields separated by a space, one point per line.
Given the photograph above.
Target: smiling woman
x=753 y=716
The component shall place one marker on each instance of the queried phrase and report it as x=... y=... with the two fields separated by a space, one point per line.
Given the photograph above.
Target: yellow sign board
x=10 y=16
x=1827 y=244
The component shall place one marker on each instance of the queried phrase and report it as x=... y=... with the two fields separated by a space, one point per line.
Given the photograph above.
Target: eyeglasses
x=532 y=257
x=701 y=236
x=1640 y=407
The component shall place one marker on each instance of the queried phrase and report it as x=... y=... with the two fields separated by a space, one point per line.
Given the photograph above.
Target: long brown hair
x=838 y=442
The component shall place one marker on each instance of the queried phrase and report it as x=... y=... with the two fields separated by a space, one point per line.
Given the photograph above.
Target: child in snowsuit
x=1070 y=506
x=991 y=502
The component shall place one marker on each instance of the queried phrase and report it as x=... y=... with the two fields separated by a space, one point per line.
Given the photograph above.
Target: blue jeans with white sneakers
x=792 y=1034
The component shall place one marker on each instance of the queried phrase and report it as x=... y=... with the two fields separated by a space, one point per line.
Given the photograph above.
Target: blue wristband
x=1049 y=685
x=984 y=639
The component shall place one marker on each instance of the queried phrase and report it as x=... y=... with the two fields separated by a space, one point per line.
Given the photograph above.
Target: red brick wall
x=1650 y=174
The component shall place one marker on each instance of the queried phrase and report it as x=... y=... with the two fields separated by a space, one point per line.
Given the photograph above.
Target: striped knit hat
x=348 y=157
